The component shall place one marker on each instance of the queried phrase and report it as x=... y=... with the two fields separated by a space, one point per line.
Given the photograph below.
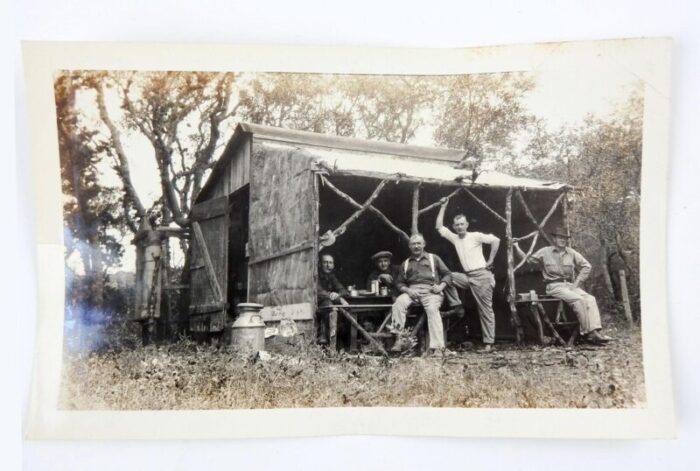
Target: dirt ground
x=185 y=375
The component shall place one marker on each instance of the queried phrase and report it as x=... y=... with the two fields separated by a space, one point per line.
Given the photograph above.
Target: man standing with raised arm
x=477 y=274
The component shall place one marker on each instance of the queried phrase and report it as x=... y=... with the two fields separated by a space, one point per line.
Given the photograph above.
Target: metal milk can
x=248 y=331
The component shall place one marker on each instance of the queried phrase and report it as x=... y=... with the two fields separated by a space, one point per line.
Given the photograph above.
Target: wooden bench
x=561 y=326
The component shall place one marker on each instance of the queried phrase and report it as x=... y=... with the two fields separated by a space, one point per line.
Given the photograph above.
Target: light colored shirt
x=469 y=248
x=561 y=264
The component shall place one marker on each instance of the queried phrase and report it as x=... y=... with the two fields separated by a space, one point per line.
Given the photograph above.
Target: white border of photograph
x=647 y=59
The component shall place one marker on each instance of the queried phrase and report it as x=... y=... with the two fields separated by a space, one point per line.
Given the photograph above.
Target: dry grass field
x=185 y=375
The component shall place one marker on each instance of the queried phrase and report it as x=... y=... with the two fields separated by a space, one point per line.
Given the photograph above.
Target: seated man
x=330 y=291
x=422 y=278
x=559 y=265
x=385 y=273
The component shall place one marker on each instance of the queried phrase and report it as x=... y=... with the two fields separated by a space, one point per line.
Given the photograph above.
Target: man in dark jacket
x=330 y=291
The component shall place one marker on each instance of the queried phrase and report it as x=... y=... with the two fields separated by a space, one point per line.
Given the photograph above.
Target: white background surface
x=435 y=23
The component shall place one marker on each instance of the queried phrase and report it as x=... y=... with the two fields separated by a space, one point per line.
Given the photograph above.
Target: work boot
x=596 y=338
x=487 y=348
x=448 y=353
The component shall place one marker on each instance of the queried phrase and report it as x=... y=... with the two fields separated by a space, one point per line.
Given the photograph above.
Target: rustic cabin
x=278 y=198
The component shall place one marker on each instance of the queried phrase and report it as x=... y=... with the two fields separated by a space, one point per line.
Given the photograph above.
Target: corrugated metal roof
x=387 y=165
x=374 y=158
x=314 y=139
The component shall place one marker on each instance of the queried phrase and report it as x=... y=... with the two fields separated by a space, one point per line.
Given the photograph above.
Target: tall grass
x=185 y=375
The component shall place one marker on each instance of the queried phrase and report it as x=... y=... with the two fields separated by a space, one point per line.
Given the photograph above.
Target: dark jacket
x=393 y=271
x=328 y=283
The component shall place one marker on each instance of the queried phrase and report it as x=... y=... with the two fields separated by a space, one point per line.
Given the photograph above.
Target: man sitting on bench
x=384 y=272
x=330 y=291
x=422 y=278
x=559 y=264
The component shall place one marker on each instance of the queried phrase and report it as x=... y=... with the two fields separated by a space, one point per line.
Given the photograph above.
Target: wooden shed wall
x=236 y=174
x=283 y=226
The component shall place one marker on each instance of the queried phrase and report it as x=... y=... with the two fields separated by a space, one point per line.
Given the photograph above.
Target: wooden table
x=358 y=305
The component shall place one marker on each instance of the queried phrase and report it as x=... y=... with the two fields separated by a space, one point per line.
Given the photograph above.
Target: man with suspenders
x=421 y=280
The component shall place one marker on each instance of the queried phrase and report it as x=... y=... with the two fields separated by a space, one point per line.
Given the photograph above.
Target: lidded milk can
x=248 y=330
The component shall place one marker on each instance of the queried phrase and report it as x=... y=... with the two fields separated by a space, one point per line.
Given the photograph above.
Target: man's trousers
x=481 y=283
x=431 y=303
x=582 y=303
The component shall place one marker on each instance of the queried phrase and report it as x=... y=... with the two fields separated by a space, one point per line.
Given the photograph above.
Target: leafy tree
x=181 y=114
x=388 y=108
x=92 y=216
x=294 y=101
x=601 y=158
x=482 y=114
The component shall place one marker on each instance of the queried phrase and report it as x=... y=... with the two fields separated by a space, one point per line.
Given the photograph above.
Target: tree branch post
x=536 y=233
x=514 y=319
x=438 y=203
x=519 y=195
x=484 y=205
x=565 y=213
x=357 y=205
x=414 y=209
x=341 y=229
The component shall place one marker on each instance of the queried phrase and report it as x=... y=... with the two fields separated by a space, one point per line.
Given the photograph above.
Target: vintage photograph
x=264 y=240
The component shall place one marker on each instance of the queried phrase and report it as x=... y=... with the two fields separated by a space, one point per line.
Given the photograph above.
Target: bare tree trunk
x=625 y=297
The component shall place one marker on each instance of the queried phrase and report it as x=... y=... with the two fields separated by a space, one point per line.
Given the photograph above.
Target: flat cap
x=382 y=254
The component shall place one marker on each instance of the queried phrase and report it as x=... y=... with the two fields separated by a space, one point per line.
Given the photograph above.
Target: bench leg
x=366 y=334
x=538 y=323
x=353 y=334
x=543 y=315
x=333 y=329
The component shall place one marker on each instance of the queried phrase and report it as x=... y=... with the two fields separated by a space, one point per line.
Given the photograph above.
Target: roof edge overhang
x=398 y=177
x=351 y=143
x=270 y=133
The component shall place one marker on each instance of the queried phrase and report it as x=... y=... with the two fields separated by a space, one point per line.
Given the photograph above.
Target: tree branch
x=123 y=167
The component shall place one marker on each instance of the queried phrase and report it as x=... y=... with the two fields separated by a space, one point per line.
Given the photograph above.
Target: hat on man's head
x=560 y=231
x=382 y=254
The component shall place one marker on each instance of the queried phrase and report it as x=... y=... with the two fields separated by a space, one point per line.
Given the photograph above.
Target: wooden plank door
x=209 y=266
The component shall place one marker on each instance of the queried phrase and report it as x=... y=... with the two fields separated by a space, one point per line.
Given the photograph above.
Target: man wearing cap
x=421 y=280
x=384 y=272
x=477 y=274
x=330 y=291
x=559 y=264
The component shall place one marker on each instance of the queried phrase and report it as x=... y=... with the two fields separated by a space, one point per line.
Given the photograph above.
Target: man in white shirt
x=477 y=273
